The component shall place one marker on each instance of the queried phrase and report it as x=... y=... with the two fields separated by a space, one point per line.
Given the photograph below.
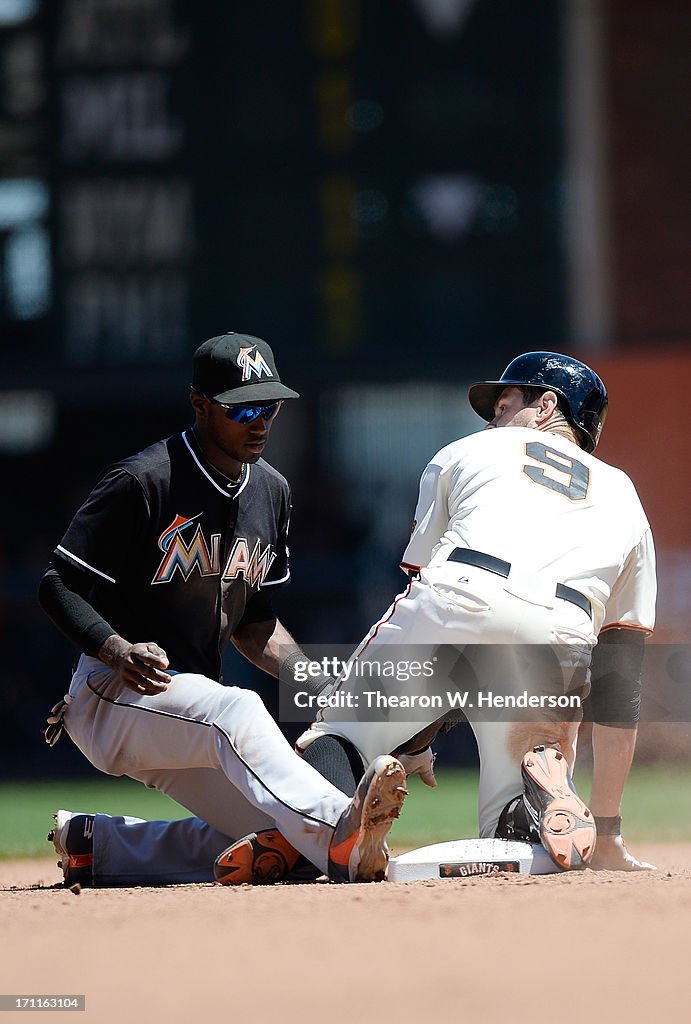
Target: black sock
x=337 y=760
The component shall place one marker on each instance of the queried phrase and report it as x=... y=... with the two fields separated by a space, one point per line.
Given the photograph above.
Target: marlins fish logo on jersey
x=182 y=556
x=253 y=364
x=179 y=555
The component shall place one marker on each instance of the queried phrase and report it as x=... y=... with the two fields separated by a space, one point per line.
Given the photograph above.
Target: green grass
x=27 y=808
x=657 y=803
x=657 y=807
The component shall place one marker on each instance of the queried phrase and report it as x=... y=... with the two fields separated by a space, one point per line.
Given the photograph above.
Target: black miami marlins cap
x=237 y=368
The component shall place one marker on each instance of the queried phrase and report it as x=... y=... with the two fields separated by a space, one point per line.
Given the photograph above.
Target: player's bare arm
x=616 y=679
x=270 y=647
x=266 y=644
x=613 y=750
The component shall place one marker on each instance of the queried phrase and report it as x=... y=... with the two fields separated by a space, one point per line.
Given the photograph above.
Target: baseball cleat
x=261 y=858
x=358 y=850
x=566 y=826
x=72 y=836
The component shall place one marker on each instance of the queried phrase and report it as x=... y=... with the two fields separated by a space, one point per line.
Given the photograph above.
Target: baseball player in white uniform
x=523 y=537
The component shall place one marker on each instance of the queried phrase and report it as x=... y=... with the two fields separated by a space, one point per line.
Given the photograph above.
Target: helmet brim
x=483 y=396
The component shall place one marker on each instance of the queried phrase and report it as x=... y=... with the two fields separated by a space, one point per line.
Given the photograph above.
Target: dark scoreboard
x=373 y=185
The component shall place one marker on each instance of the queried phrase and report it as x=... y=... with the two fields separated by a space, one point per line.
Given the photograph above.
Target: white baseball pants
x=456 y=604
x=217 y=751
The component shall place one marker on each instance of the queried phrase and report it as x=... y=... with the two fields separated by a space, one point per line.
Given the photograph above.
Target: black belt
x=497 y=565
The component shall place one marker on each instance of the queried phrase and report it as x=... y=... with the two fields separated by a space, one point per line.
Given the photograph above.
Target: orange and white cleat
x=358 y=850
x=261 y=858
x=566 y=825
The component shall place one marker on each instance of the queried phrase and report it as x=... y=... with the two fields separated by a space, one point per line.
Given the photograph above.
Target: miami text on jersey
x=253 y=567
x=179 y=555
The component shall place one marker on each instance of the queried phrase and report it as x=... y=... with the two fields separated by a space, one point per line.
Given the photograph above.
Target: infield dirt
x=583 y=947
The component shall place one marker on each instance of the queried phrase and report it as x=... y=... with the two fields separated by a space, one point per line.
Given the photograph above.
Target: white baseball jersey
x=557 y=515
x=538 y=501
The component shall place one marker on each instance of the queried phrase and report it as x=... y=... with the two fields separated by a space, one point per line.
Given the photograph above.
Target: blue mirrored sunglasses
x=249 y=413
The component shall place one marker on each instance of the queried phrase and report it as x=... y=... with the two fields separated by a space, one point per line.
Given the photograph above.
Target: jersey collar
x=229 y=489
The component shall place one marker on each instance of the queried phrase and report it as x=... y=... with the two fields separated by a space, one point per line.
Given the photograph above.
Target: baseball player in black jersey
x=174 y=553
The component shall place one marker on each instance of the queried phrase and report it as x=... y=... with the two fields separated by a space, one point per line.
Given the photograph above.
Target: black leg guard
x=516 y=823
x=337 y=760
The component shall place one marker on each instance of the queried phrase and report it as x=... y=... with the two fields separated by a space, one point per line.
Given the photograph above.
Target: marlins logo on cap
x=238 y=368
x=253 y=364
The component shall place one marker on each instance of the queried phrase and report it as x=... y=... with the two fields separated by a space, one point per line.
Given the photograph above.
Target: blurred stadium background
x=400 y=195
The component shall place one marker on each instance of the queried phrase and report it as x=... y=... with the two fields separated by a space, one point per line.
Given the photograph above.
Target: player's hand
x=140 y=666
x=421 y=764
x=611 y=855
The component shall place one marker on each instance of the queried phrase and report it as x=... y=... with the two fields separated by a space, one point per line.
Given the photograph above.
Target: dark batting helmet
x=582 y=390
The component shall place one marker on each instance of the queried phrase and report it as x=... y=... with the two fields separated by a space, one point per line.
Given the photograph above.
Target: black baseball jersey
x=174 y=552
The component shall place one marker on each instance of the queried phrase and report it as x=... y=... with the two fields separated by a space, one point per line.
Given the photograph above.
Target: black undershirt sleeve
x=615 y=673
x=61 y=596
